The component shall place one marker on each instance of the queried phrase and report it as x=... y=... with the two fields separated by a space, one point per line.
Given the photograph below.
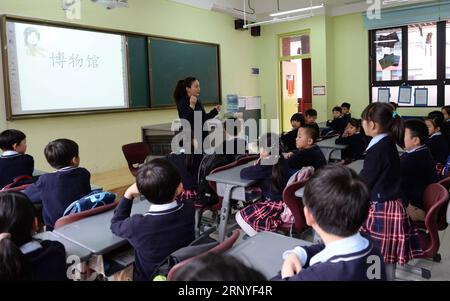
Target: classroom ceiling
x=262 y=8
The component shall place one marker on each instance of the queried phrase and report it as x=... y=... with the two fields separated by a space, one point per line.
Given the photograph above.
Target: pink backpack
x=302 y=175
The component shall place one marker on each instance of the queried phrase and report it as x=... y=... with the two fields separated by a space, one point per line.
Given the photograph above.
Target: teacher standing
x=186 y=96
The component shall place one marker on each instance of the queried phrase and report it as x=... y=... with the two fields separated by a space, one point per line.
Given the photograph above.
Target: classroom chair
x=81 y=215
x=219 y=249
x=135 y=154
x=296 y=206
x=18 y=184
x=446 y=183
x=435 y=200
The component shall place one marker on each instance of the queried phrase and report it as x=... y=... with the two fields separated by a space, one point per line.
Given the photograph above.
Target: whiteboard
x=56 y=69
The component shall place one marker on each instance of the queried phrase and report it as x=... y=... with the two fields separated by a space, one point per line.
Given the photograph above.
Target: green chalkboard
x=172 y=60
x=138 y=72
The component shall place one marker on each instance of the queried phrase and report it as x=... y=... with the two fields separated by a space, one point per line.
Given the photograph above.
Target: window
x=388 y=45
x=296 y=45
x=447 y=51
x=411 y=55
x=422 y=51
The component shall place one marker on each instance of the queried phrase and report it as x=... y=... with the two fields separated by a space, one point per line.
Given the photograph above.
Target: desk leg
x=327 y=153
x=225 y=212
x=337 y=152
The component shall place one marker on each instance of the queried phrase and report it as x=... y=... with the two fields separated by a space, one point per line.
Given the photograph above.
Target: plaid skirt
x=191 y=195
x=392 y=232
x=263 y=215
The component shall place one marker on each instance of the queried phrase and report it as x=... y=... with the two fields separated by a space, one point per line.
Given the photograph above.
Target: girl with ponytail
x=271 y=171
x=186 y=95
x=388 y=224
x=21 y=257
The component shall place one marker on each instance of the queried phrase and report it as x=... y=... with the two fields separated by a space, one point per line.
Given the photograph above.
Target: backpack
x=302 y=175
x=93 y=200
x=206 y=195
x=195 y=248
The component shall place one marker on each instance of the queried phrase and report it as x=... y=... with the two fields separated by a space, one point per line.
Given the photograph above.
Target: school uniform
x=338 y=124
x=264 y=215
x=357 y=144
x=438 y=146
x=312 y=156
x=348 y=259
x=388 y=224
x=189 y=175
x=47 y=260
x=347 y=116
x=316 y=126
x=57 y=190
x=289 y=140
x=418 y=170
x=186 y=112
x=155 y=234
x=13 y=165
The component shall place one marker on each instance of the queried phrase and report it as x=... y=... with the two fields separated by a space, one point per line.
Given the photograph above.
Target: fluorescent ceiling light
x=276 y=20
x=296 y=10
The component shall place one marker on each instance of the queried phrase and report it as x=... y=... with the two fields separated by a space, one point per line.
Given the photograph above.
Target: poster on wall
x=421 y=97
x=319 y=90
x=404 y=95
x=384 y=94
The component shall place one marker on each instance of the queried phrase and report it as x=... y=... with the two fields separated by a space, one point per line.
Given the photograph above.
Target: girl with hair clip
x=186 y=95
x=21 y=257
x=388 y=224
x=271 y=170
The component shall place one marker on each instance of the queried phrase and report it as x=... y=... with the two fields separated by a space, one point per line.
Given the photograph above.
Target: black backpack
x=206 y=195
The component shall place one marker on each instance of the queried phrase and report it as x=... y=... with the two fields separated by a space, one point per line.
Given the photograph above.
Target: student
x=355 y=139
x=233 y=146
x=22 y=257
x=388 y=224
x=57 y=190
x=271 y=171
x=437 y=141
x=418 y=169
x=165 y=228
x=311 y=117
x=446 y=111
x=13 y=161
x=338 y=123
x=217 y=267
x=336 y=204
x=187 y=162
x=307 y=153
x=345 y=106
x=288 y=139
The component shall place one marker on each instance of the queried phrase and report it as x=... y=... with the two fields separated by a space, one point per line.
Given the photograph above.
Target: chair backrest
x=78 y=216
x=135 y=154
x=443 y=217
x=295 y=204
x=219 y=249
x=435 y=200
x=19 y=183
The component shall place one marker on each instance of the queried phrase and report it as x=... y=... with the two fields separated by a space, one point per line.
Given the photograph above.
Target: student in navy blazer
x=288 y=139
x=438 y=137
x=165 y=228
x=338 y=123
x=58 y=189
x=22 y=257
x=336 y=203
x=418 y=169
x=13 y=161
x=355 y=139
x=307 y=153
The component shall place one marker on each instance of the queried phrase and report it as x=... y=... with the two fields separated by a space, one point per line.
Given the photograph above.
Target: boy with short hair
x=338 y=123
x=345 y=106
x=288 y=139
x=13 y=161
x=336 y=204
x=57 y=190
x=307 y=153
x=165 y=228
x=310 y=119
x=417 y=168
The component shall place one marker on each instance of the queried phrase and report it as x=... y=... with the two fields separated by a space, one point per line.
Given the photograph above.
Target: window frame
x=440 y=80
